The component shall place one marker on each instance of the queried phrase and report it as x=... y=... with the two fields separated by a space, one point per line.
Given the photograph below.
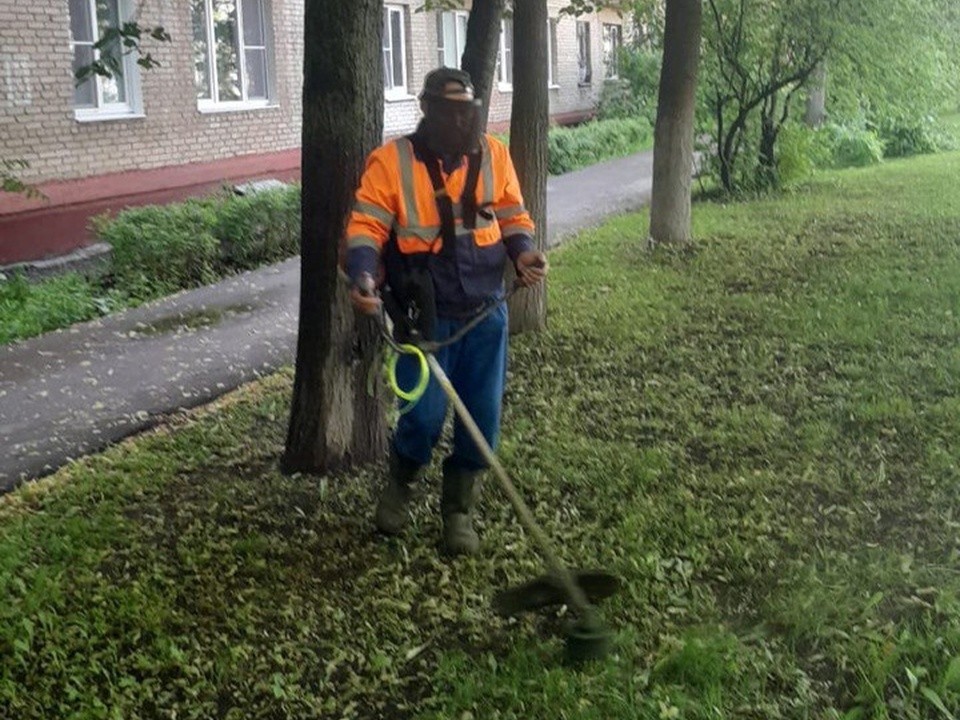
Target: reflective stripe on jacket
x=396 y=195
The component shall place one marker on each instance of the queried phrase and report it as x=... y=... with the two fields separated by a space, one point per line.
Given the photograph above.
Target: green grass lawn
x=760 y=437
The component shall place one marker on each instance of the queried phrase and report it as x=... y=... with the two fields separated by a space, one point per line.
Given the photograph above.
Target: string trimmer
x=587 y=637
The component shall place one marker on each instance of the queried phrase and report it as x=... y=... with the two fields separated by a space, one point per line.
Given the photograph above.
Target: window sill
x=505 y=87
x=553 y=86
x=398 y=96
x=585 y=84
x=88 y=116
x=213 y=108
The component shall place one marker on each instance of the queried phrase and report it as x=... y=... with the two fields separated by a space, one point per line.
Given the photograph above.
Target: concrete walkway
x=72 y=392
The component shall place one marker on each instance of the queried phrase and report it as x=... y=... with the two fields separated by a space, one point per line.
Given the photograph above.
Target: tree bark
x=817 y=99
x=334 y=422
x=673 y=137
x=483 y=43
x=529 y=127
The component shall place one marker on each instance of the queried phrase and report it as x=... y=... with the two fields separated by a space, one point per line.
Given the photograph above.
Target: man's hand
x=532 y=268
x=364 y=296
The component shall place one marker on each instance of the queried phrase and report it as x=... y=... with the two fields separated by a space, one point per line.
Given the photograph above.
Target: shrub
x=259 y=229
x=800 y=151
x=576 y=147
x=161 y=249
x=634 y=95
x=853 y=146
x=907 y=136
x=28 y=309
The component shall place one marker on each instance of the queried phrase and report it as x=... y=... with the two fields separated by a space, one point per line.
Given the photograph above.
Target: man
x=437 y=215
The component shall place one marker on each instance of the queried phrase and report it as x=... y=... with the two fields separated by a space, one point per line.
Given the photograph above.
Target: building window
x=98 y=98
x=451 y=38
x=553 y=66
x=231 y=55
x=505 y=58
x=394 y=52
x=583 y=53
x=612 y=42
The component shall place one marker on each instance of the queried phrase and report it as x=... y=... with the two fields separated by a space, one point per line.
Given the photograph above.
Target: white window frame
x=553 y=26
x=132 y=107
x=396 y=92
x=583 y=82
x=503 y=58
x=213 y=104
x=612 y=58
x=459 y=43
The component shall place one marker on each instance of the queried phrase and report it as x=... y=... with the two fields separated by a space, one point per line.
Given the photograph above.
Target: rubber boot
x=461 y=489
x=393 y=508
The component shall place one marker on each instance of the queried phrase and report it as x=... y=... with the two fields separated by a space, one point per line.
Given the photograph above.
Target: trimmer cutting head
x=587 y=637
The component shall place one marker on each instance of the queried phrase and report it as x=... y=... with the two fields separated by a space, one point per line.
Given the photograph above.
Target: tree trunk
x=817 y=99
x=334 y=423
x=529 y=126
x=767 y=175
x=673 y=137
x=766 y=172
x=483 y=43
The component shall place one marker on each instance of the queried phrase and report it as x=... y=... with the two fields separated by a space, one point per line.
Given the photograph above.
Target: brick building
x=223 y=107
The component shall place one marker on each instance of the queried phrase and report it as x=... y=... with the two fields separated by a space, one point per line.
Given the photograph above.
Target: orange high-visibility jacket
x=396 y=195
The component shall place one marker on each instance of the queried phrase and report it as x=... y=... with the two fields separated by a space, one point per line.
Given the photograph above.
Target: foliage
x=163 y=249
x=758 y=56
x=575 y=147
x=114 y=44
x=259 y=229
x=634 y=94
x=584 y=7
x=802 y=150
x=902 y=137
x=948 y=127
x=158 y=250
x=758 y=436
x=10 y=181
x=853 y=146
x=28 y=309
x=897 y=59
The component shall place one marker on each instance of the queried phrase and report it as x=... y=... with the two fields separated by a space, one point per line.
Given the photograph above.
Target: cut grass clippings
x=758 y=436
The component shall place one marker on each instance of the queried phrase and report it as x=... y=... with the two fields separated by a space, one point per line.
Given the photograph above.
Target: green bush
x=259 y=229
x=634 y=95
x=161 y=249
x=28 y=309
x=800 y=151
x=903 y=137
x=853 y=146
x=158 y=250
x=576 y=147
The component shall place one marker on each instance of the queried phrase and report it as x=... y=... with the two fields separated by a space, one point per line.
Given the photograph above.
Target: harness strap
x=470 y=208
x=469 y=199
x=448 y=224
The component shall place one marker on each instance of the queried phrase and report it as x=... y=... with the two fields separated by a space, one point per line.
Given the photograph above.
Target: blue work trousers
x=477 y=366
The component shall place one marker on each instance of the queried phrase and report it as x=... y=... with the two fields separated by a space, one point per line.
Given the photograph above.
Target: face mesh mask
x=452 y=127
